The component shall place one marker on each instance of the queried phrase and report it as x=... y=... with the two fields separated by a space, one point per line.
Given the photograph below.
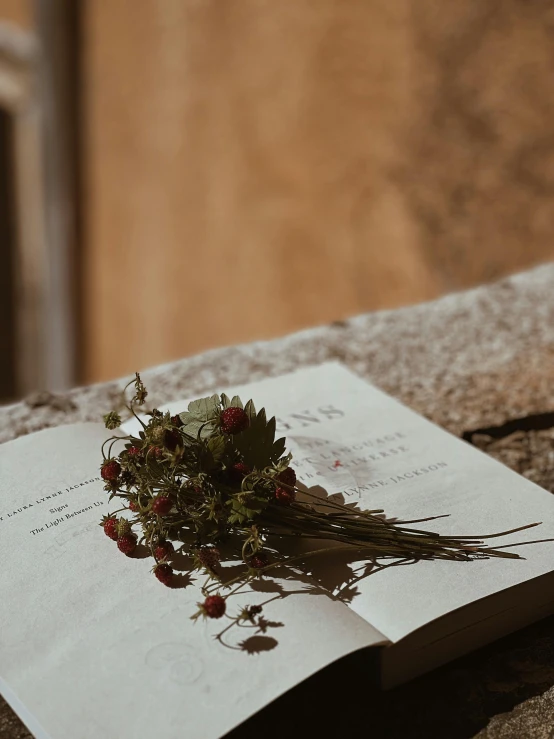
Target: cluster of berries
x=216 y=475
x=120 y=530
x=286 y=495
x=185 y=489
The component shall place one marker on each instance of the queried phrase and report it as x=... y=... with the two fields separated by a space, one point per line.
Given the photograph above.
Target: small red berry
x=209 y=557
x=259 y=561
x=237 y=472
x=155 y=451
x=284 y=497
x=287 y=477
x=176 y=421
x=161 y=505
x=133 y=506
x=234 y=420
x=110 y=528
x=164 y=550
x=134 y=451
x=214 y=606
x=127 y=544
x=164 y=573
x=110 y=470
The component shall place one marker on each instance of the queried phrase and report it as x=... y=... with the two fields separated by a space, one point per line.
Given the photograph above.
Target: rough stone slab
x=467 y=361
x=531 y=719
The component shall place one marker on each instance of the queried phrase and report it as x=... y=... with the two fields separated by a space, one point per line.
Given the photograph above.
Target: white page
x=92 y=645
x=392 y=458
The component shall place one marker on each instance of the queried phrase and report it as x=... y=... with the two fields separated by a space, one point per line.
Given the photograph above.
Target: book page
x=348 y=436
x=92 y=645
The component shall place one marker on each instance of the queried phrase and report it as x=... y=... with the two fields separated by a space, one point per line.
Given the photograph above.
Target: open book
x=91 y=645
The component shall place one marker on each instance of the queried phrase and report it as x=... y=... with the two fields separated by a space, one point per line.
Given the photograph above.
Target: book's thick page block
x=92 y=645
x=349 y=436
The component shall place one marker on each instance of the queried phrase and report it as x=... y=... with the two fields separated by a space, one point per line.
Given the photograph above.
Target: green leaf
x=216 y=446
x=199 y=429
x=192 y=428
x=211 y=453
x=279 y=449
x=236 y=402
x=285 y=461
x=247 y=510
x=205 y=409
x=225 y=401
x=236 y=517
x=250 y=410
x=200 y=421
x=257 y=443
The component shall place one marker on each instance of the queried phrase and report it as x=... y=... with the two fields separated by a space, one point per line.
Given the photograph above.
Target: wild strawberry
x=234 y=420
x=284 y=497
x=164 y=573
x=133 y=506
x=214 y=606
x=110 y=470
x=134 y=451
x=259 y=561
x=287 y=477
x=164 y=550
x=155 y=451
x=110 y=527
x=161 y=505
x=209 y=557
x=237 y=472
x=127 y=544
x=176 y=421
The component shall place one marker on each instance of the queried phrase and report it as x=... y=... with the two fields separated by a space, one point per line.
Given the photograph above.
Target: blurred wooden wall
x=251 y=167
x=254 y=167
x=18 y=12
x=238 y=158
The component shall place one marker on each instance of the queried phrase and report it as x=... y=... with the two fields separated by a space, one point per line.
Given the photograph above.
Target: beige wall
x=252 y=167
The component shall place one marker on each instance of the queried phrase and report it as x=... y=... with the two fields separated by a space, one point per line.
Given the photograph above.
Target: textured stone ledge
x=469 y=360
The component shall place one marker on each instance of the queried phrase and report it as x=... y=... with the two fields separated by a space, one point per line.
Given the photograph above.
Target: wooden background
x=252 y=167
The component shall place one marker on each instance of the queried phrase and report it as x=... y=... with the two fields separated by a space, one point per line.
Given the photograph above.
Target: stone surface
x=468 y=361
